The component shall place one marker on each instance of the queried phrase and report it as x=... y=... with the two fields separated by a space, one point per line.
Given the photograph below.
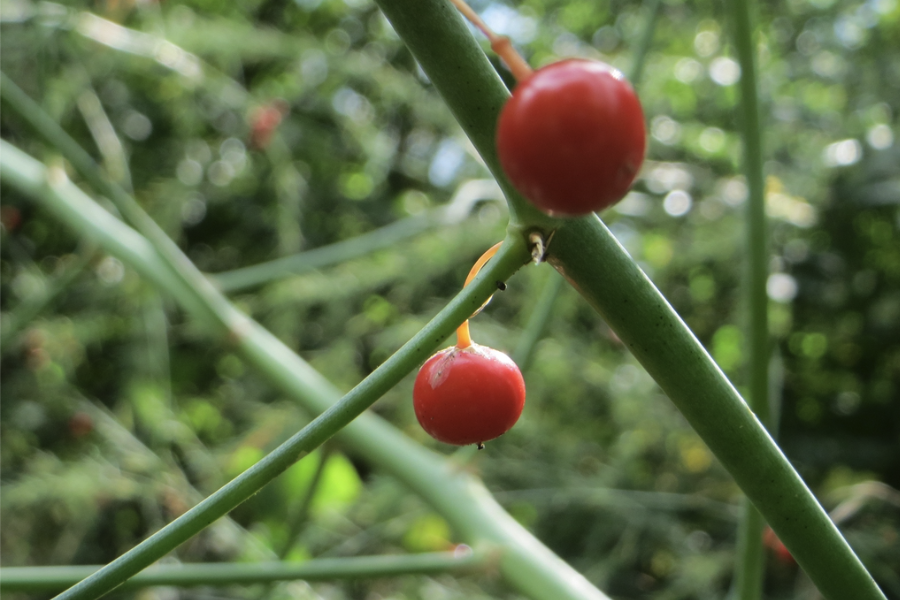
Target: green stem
x=51 y=188
x=36 y=579
x=125 y=444
x=640 y=56
x=537 y=322
x=298 y=518
x=670 y=353
x=303 y=262
x=26 y=312
x=300 y=515
x=749 y=565
x=441 y=42
x=205 y=301
x=104 y=134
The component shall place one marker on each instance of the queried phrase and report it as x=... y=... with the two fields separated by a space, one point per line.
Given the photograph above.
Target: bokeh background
x=257 y=130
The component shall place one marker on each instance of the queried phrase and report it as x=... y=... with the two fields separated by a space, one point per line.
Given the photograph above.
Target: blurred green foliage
x=252 y=131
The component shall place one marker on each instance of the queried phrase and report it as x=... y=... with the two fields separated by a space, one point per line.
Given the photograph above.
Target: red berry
x=264 y=120
x=771 y=541
x=571 y=138
x=468 y=395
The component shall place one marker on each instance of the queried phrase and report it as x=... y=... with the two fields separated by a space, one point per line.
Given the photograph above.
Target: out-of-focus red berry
x=264 y=120
x=771 y=541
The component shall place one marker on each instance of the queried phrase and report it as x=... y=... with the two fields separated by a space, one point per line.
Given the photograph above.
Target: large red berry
x=468 y=395
x=571 y=138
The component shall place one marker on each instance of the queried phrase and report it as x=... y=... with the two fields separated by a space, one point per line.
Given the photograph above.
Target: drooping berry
x=468 y=395
x=572 y=138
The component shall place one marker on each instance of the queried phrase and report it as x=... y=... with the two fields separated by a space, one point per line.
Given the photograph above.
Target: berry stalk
x=500 y=44
x=463 y=338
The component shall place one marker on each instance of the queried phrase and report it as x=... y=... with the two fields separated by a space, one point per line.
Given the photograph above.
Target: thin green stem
x=104 y=134
x=300 y=515
x=310 y=260
x=125 y=444
x=749 y=564
x=756 y=238
x=537 y=322
x=26 y=312
x=211 y=306
x=456 y=211
x=298 y=518
x=640 y=56
x=624 y=499
x=37 y=579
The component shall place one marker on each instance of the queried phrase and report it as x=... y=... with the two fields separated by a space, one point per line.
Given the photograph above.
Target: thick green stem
x=596 y=264
x=749 y=563
x=36 y=579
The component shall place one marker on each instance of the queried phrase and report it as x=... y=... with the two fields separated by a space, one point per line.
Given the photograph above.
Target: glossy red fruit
x=571 y=138
x=468 y=395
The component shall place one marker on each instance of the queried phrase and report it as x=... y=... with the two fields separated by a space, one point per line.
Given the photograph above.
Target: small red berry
x=264 y=120
x=771 y=541
x=571 y=138
x=468 y=395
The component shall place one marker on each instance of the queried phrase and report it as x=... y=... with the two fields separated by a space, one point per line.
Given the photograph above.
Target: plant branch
x=37 y=579
x=749 y=564
x=455 y=211
x=310 y=260
x=537 y=322
x=640 y=55
x=298 y=518
x=26 y=312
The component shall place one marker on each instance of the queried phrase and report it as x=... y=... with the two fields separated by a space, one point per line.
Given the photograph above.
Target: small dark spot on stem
x=501 y=286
